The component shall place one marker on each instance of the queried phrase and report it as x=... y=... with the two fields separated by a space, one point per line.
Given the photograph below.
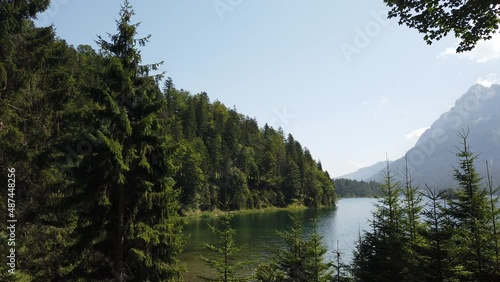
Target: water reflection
x=257 y=232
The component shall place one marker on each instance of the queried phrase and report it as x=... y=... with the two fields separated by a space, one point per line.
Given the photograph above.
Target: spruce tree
x=412 y=208
x=301 y=260
x=435 y=260
x=13 y=18
x=381 y=254
x=341 y=270
x=495 y=215
x=316 y=268
x=34 y=100
x=292 y=182
x=365 y=260
x=129 y=211
x=291 y=260
x=471 y=213
x=223 y=262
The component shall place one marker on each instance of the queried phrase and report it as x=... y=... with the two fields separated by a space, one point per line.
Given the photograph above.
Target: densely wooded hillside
x=108 y=154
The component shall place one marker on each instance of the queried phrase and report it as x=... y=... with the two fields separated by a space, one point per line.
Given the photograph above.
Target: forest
x=415 y=235
x=350 y=188
x=103 y=156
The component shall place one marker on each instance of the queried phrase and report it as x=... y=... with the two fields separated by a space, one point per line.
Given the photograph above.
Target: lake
x=256 y=232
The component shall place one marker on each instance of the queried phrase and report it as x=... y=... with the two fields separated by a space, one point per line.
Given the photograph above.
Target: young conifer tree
x=495 y=215
x=300 y=260
x=223 y=262
x=434 y=257
x=471 y=214
x=317 y=269
x=412 y=208
x=380 y=254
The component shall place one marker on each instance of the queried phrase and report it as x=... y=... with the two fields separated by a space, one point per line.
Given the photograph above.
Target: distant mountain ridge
x=432 y=159
x=365 y=172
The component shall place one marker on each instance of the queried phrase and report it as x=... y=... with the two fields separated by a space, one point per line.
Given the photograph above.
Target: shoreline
x=217 y=212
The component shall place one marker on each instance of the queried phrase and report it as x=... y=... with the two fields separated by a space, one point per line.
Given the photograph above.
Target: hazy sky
x=349 y=84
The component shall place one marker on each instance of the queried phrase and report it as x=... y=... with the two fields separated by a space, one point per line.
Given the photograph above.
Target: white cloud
x=415 y=134
x=483 y=52
x=489 y=79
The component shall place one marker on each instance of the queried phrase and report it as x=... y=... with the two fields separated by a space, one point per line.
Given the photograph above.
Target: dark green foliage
x=34 y=100
x=412 y=225
x=292 y=184
x=83 y=128
x=381 y=254
x=471 y=21
x=107 y=160
x=342 y=271
x=238 y=165
x=448 y=240
x=14 y=18
x=191 y=180
x=495 y=215
x=316 y=268
x=223 y=261
x=131 y=176
x=434 y=258
x=347 y=188
x=472 y=219
x=301 y=260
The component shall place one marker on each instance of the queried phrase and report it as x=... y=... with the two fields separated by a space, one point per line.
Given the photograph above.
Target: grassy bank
x=217 y=212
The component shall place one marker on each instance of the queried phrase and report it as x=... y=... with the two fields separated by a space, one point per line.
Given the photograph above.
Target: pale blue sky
x=349 y=84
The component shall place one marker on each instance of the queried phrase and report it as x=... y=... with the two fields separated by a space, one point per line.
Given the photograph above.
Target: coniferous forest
x=104 y=157
x=346 y=188
x=108 y=155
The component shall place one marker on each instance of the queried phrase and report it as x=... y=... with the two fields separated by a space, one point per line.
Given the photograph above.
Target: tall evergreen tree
x=435 y=261
x=130 y=221
x=106 y=156
x=381 y=254
x=471 y=213
x=292 y=184
x=35 y=99
x=13 y=18
x=412 y=208
x=495 y=215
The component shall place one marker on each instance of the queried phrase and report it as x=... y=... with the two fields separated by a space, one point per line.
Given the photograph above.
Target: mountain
x=365 y=172
x=433 y=157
